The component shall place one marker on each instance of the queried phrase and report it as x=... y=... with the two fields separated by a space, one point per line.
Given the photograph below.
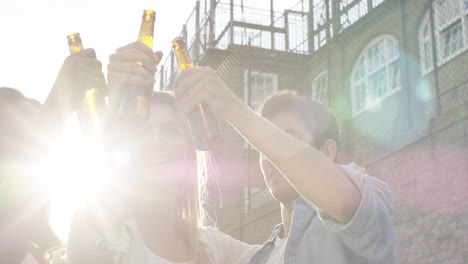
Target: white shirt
x=224 y=249
x=29 y=259
x=155 y=259
x=128 y=247
x=219 y=248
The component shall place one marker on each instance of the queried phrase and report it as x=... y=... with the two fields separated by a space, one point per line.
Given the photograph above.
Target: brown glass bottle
x=206 y=132
x=135 y=102
x=93 y=107
x=74 y=43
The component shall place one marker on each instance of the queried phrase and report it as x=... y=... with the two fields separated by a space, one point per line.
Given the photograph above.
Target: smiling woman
x=163 y=189
x=158 y=217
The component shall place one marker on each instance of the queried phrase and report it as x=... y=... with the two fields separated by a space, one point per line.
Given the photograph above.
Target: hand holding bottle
x=79 y=72
x=131 y=65
x=202 y=85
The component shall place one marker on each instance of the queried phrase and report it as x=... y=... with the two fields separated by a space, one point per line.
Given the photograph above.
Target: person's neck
x=160 y=229
x=287 y=210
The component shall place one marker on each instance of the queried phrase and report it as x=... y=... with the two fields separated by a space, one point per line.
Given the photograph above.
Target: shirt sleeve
x=222 y=248
x=86 y=245
x=370 y=233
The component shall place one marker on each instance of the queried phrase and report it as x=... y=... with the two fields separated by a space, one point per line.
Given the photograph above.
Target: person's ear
x=329 y=149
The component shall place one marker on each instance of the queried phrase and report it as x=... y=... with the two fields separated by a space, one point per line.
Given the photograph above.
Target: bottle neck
x=183 y=59
x=75 y=46
x=146 y=33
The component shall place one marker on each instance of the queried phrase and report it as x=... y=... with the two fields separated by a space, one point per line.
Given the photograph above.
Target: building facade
x=395 y=72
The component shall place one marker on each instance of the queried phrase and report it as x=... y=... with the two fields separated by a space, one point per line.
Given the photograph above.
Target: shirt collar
x=299 y=204
x=301 y=201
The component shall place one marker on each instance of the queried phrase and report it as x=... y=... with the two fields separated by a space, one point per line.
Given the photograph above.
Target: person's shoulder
x=361 y=179
x=371 y=187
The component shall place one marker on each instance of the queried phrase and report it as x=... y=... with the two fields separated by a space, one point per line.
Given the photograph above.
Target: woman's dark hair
x=10 y=96
x=318 y=117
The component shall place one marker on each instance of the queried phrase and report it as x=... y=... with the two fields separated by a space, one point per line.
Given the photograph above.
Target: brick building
x=396 y=74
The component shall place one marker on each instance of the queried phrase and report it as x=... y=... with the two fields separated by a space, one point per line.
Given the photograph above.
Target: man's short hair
x=318 y=117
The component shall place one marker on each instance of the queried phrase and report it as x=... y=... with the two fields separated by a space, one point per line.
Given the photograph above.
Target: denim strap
x=264 y=253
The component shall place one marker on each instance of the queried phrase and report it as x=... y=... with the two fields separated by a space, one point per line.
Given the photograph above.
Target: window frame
x=255 y=75
x=363 y=93
x=321 y=78
x=423 y=40
x=442 y=39
x=440 y=31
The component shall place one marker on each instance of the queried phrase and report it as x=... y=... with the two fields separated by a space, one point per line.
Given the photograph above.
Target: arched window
x=320 y=88
x=376 y=75
x=450 y=32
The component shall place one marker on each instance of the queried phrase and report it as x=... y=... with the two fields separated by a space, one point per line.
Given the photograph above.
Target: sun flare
x=74 y=172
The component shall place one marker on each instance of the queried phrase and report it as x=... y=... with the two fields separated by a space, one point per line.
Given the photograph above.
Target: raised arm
x=79 y=72
x=310 y=171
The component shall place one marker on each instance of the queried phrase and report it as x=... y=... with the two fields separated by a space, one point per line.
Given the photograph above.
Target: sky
x=33 y=43
x=33 y=34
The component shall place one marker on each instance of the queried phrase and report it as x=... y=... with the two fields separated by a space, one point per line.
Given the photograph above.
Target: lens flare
x=73 y=173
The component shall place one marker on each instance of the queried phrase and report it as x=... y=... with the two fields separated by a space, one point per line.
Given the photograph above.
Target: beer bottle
x=206 y=132
x=94 y=101
x=135 y=102
x=74 y=43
